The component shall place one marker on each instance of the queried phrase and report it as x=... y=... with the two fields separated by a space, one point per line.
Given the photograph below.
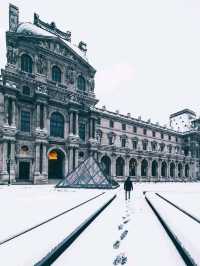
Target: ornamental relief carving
x=12 y=55
x=41 y=64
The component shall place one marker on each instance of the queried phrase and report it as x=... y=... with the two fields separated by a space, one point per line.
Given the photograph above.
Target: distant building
x=49 y=122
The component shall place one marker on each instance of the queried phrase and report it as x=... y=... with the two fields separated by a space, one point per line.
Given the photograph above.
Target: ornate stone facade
x=49 y=122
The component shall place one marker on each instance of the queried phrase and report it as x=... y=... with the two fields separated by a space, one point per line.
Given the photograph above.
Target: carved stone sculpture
x=11 y=55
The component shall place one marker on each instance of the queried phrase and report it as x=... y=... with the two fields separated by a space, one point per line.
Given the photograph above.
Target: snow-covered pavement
x=125 y=233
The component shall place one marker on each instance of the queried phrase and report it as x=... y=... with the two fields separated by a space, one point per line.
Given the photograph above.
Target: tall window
x=144 y=131
x=25 y=121
x=26 y=63
x=153 y=133
x=111 y=123
x=123 y=126
x=134 y=129
x=57 y=125
x=9 y=111
x=144 y=144
x=82 y=131
x=56 y=74
x=123 y=142
x=81 y=83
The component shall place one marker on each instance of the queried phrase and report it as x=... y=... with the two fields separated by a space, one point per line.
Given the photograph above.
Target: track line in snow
x=48 y=220
x=177 y=243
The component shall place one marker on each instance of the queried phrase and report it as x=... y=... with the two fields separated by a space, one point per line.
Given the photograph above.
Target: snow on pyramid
x=88 y=175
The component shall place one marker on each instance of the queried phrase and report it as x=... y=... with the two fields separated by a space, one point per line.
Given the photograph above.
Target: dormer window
x=56 y=74
x=81 y=83
x=26 y=63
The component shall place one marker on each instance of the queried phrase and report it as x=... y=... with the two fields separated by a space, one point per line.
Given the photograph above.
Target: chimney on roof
x=82 y=46
x=13 y=17
x=149 y=120
x=104 y=107
x=139 y=117
x=129 y=114
x=117 y=111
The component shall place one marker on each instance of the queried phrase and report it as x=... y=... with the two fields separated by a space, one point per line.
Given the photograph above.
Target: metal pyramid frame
x=88 y=174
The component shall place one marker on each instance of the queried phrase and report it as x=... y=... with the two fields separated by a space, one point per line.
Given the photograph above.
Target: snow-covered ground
x=126 y=231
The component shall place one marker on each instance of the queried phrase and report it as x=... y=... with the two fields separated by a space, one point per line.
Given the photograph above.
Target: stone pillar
x=6 y=109
x=139 y=167
x=70 y=161
x=37 y=159
x=38 y=115
x=76 y=157
x=168 y=169
x=149 y=172
x=44 y=160
x=12 y=162
x=71 y=123
x=14 y=112
x=176 y=170
x=126 y=170
x=113 y=167
x=77 y=133
x=45 y=116
x=4 y=161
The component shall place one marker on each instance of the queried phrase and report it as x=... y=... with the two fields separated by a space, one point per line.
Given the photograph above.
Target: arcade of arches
x=56 y=163
x=122 y=167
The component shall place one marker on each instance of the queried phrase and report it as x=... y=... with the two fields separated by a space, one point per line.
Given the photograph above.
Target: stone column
x=6 y=109
x=76 y=157
x=70 y=161
x=149 y=172
x=38 y=115
x=139 y=167
x=14 y=112
x=76 y=126
x=113 y=167
x=126 y=170
x=4 y=166
x=12 y=162
x=176 y=170
x=37 y=159
x=71 y=123
x=45 y=116
x=44 y=160
x=168 y=169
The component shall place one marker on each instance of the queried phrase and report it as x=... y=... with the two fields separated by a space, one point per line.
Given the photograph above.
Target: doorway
x=24 y=170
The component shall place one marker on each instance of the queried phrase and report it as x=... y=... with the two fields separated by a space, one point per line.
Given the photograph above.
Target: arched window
x=57 y=125
x=106 y=165
x=26 y=63
x=144 y=168
x=56 y=74
x=172 y=170
x=132 y=167
x=26 y=90
x=180 y=170
x=164 y=169
x=81 y=83
x=154 y=169
x=120 y=166
x=187 y=170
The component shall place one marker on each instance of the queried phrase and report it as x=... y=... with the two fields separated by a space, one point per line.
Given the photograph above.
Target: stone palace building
x=49 y=121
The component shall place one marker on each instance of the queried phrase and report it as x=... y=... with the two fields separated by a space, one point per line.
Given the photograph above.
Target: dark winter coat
x=128 y=185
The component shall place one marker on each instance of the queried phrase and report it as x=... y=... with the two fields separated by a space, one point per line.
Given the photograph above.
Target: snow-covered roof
x=30 y=29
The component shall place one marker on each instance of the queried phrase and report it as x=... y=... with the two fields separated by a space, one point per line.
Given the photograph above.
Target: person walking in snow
x=128 y=186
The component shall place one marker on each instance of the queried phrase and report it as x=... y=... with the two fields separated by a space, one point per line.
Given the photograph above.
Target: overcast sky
x=146 y=52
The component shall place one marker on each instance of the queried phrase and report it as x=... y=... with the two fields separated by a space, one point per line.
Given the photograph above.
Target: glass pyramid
x=88 y=175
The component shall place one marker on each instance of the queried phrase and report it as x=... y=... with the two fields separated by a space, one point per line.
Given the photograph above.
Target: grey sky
x=146 y=53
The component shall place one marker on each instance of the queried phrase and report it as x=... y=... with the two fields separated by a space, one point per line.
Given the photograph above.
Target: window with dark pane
x=41 y=116
x=57 y=125
x=25 y=121
x=169 y=137
x=26 y=63
x=81 y=83
x=82 y=131
x=153 y=133
x=123 y=142
x=134 y=129
x=26 y=91
x=144 y=131
x=162 y=135
x=123 y=126
x=111 y=123
x=56 y=74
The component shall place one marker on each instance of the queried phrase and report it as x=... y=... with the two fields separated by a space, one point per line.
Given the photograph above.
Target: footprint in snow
x=120 y=259
x=116 y=244
x=124 y=234
x=120 y=227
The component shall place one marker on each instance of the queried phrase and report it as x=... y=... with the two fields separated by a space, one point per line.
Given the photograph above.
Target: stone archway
x=120 y=166
x=180 y=170
x=106 y=165
x=172 y=169
x=144 y=168
x=56 y=164
x=133 y=167
x=154 y=169
x=187 y=170
x=164 y=169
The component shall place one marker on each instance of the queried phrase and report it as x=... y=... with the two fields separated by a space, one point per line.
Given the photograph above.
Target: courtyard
x=36 y=219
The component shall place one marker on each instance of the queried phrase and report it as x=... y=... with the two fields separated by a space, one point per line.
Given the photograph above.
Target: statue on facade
x=41 y=65
x=11 y=55
x=91 y=83
x=70 y=75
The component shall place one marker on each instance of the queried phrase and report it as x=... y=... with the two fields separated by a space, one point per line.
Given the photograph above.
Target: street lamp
x=8 y=161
